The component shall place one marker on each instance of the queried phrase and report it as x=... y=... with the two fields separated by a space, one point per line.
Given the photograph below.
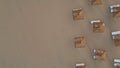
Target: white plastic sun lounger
x=94 y=57
x=112 y=6
x=117 y=60
x=81 y=64
x=115 y=32
x=116 y=64
x=95 y=21
x=76 y=10
x=117 y=5
x=94 y=50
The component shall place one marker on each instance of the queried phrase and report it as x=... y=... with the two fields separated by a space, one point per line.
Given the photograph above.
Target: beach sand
x=40 y=34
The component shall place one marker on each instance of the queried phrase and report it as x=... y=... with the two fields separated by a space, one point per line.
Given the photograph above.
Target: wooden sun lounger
x=115 y=10
x=96 y=2
x=78 y=14
x=98 y=26
x=80 y=42
x=116 y=37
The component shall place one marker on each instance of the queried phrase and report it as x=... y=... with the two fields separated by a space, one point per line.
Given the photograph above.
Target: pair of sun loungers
x=98 y=27
x=81 y=42
x=99 y=54
x=116 y=64
x=78 y=14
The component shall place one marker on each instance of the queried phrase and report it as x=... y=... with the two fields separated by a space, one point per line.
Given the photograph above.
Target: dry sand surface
x=39 y=34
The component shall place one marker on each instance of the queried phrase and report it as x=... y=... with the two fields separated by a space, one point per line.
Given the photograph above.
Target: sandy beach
x=40 y=34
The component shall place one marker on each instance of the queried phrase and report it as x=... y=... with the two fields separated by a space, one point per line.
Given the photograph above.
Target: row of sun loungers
x=80 y=41
x=116 y=64
x=98 y=54
x=78 y=14
x=98 y=26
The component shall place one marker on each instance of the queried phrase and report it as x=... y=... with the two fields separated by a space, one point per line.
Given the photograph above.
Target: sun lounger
x=78 y=14
x=80 y=42
x=81 y=65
